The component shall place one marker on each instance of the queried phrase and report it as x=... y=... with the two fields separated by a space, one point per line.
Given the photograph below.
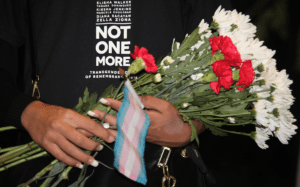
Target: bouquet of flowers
x=220 y=75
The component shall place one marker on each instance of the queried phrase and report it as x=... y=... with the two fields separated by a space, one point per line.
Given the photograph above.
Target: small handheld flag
x=133 y=123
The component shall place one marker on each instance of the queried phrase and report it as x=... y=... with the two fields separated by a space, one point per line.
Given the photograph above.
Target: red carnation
x=246 y=75
x=227 y=48
x=222 y=70
x=147 y=58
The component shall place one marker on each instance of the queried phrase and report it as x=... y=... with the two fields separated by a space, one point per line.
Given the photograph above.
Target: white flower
x=261 y=136
x=197 y=45
x=168 y=60
x=284 y=133
x=282 y=82
x=157 y=78
x=182 y=58
x=285 y=117
x=257 y=88
x=197 y=76
x=206 y=35
x=203 y=26
x=166 y=67
x=264 y=116
x=184 y=105
x=231 y=119
x=262 y=112
x=270 y=73
x=221 y=17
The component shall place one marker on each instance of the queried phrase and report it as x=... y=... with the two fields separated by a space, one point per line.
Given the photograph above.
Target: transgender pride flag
x=133 y=124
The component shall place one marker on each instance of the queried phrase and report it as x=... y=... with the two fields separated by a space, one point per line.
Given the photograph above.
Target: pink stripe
x=129 y=115
x=133 y=176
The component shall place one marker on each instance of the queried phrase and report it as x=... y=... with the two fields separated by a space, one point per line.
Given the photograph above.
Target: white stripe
x=133 y=125
x=130 y=162
x=134 y=94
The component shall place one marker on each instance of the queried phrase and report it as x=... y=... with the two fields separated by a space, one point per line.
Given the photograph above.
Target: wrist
x=29 y=112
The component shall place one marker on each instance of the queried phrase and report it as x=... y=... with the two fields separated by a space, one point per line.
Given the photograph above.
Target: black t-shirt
x=82 y=43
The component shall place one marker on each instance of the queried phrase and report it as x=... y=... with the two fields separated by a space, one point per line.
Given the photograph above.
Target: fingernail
x=100 y=147
x=104 y=101
x=93 y=163
x=111 y=139
x=106 y=125
x=93 y=114
x=79 y=165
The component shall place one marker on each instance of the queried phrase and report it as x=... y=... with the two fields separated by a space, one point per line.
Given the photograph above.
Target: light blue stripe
x=120 y=121
x=142 y=177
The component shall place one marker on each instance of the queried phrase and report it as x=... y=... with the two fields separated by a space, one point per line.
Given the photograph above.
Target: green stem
x=234 y=132
x=105 y=165
x=114 y=97
x=175 y=83
x=244 y=101
x=19 y=151
x=62 y=176
x=238 y=124
x=10 y=148
x=7 y=128
x=44 y=153
x=229 y=115
x=42 y=172
x=201 y=109
x=261 y=91
x=23 y=156
x=95 y=138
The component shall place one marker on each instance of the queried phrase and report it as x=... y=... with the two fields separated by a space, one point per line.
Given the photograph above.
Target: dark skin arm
x=167 y=127
x=61 y=131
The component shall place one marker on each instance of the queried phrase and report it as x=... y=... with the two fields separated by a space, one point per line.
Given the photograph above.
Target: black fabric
x=204 y=176
x=13 y=102
x=66 y=52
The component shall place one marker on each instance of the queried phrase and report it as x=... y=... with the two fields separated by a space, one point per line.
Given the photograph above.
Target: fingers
x=154 y=103
x=112 y=120
x=73 y=151
x=79 y=139
x=55 y=151
x=113 y=103
x=85 y=133
x=66 y=155
x=82 y=122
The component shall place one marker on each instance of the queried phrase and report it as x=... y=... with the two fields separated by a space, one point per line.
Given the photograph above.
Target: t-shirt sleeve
x=196 y=10
x=12 y=36
x=12 y=102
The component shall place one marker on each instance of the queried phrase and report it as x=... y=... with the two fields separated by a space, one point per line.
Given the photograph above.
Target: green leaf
x=236 y=109
x=194 y=135
x=107 y=92
x=188 y=42
x=215 y=130
x=242 y=95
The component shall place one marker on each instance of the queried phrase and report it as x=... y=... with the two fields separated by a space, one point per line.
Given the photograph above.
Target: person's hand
x=167 y=127
x=59 y=131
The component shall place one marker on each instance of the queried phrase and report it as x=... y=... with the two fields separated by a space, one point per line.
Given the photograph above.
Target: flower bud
x=184 y=105
x=157 y=78
x=167 y=60
x=231 y=119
